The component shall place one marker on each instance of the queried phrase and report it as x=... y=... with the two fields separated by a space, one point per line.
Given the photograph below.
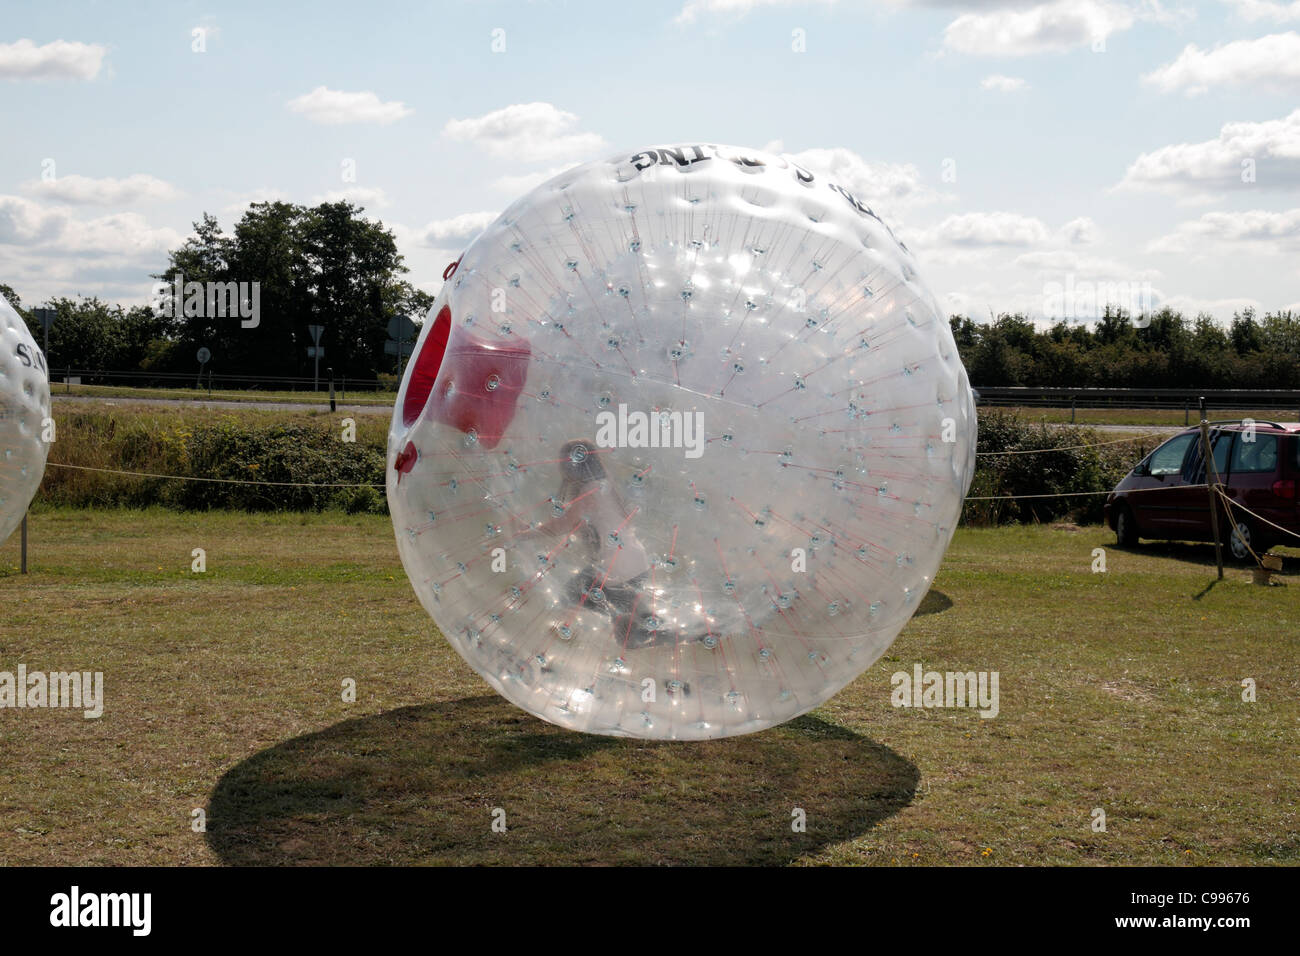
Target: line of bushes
x=302 y=448
x=1062 y=467
x=309 y=448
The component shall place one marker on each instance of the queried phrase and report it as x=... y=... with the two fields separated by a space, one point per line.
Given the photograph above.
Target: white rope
x=1098 y=444
x=223 y=481
x=1257 y=517
x=1073 y=494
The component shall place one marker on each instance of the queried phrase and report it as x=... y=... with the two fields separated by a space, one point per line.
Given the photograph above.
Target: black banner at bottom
x=334 y=905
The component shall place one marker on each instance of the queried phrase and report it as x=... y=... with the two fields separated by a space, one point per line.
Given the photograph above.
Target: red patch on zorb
x=467 y=382
x=405 y=461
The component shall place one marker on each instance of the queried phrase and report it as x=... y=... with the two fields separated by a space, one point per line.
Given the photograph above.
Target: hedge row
x=301 y=451
x=310 y=450
x=1061 y=467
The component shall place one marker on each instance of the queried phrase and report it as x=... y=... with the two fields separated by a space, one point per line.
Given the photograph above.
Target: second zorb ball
x=681 y=445
x=24 y=410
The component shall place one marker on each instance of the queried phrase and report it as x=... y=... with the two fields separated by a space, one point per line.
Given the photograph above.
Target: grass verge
x=1119 y=691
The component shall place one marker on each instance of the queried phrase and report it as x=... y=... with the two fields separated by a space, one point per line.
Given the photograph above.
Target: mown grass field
x=1119 y=691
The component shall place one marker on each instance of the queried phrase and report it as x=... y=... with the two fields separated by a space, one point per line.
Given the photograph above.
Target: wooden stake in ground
x=1210 y=489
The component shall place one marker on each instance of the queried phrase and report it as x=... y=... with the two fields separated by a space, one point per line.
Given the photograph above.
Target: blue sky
x=1017 y=146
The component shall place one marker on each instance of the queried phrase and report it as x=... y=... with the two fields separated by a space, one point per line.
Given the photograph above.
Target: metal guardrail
x=208 y=381
x=1188 y=399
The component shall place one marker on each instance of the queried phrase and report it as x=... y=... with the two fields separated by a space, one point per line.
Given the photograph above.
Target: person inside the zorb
x=590 y=516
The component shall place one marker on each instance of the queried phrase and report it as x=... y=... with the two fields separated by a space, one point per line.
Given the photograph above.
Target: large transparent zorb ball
x=681 y=445
x=24 y=409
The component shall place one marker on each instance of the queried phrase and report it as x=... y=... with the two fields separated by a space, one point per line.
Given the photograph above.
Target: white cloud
x=54 y=232
x=1060 y=261
x=1253 y=10
x=526 y=182
x=84 y=190
x=454 y=233
x=64 y=59
x=527 y=132
x=1047 y=28
x=1267 y=231
x=357 y=195
x=1222 y=309
x=1003 y=84
x=1271 y=61
x=1079 y=231
x=23 y=222
x=984 y=229
x=694 y=10
x=1273 y=145
x=332 y=107
x=262 y=194
x=887 y=184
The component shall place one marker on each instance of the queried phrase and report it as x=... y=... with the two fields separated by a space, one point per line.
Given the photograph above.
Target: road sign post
x=315 y=352
x=203 y=356
x=1211 y=488
x=401 y=333
x=46 y=318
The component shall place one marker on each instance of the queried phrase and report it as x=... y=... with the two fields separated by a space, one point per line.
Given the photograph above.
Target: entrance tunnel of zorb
x=681 y=445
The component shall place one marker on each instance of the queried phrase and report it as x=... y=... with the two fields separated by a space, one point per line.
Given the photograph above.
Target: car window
x=1222 y=445
x=1259 y=455
x=1168 y=458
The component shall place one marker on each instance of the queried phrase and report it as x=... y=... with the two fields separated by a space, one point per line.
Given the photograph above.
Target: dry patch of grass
x=223 y=692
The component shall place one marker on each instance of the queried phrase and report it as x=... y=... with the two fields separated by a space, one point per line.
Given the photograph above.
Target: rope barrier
x=1097 y=444
x=1075 y=494
x=1257 y=517
x=224 y=481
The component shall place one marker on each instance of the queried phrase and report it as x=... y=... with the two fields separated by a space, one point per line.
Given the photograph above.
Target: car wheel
x=1126 y=529
x=1241 y=543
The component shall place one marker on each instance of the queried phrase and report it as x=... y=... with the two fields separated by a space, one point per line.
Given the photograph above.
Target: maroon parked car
x=1259 y=466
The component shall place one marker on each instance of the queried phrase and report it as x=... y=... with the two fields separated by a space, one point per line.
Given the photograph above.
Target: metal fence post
x=1211 y=488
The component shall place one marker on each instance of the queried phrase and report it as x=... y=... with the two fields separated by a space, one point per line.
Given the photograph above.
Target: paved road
x=1141 y=429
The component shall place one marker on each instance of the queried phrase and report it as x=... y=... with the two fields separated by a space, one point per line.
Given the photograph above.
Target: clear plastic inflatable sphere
x=24 y=408
x=681 y=445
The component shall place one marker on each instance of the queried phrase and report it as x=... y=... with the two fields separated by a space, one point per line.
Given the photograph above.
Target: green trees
x=1161 y=349
x=324 y=265
x=96 y=335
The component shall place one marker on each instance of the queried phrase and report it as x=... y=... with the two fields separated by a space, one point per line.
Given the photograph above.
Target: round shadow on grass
x=420 y=785
x=934 y=602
